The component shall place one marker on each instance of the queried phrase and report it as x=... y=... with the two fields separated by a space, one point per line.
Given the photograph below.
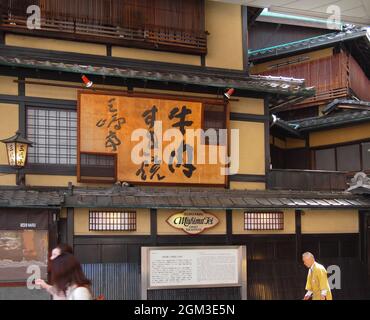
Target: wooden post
x=298 y=234
x=53 y=217
x=245 y=38
x=70 y=226
x=229 y=227
x=153 y=226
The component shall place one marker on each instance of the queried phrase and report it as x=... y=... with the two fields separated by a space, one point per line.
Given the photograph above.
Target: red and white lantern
x=229 y=93
x=88 y=83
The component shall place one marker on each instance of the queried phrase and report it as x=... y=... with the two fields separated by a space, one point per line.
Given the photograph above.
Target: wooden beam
x=236 y=116
x=248 y=177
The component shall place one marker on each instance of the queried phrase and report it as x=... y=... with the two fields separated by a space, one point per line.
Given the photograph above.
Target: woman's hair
x=64 y=248
x=67 y=271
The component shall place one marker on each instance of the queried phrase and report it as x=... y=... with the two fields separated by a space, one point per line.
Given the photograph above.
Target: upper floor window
x=54 y=136
x=349 y=157
x=98 y=167
x=174 y=25
x=365 y=147
x=214 y=117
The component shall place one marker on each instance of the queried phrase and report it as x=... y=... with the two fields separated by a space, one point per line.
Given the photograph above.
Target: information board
x=193 y=267
x=189 y=267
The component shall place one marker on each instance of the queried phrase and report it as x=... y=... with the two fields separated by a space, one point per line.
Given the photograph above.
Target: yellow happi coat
x=317 y=280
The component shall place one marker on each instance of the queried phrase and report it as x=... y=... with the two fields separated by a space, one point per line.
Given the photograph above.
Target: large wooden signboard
x=106 y=124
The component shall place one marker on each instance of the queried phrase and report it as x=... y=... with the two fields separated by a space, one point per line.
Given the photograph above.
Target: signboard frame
x=148 y=95
x=242 y=269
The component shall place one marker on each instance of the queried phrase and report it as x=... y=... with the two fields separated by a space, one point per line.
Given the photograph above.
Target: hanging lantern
x=17 y=148
x=229 y=93
x=88 y=83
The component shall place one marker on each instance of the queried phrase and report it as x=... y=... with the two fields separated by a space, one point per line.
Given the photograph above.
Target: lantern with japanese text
x=17 y=147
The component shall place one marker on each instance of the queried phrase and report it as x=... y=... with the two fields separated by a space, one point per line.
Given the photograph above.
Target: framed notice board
x=193 y=267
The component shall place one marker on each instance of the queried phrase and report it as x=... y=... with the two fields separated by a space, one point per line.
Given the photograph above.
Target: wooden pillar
x=267 y=141
x=363 y=217
x=153 y=226
x=364 y=245
x=22 y=106
x=229 y=226
x=298 y=234
x=367 y=241
x=109 y=50
x=245 y=38
x=70 y=226
x=53 y=217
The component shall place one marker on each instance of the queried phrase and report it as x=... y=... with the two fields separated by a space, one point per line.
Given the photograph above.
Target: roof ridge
x=292 y=42
x=311 y=42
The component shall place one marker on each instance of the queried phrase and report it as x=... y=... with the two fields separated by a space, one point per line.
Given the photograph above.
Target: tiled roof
x=310 y=43
x=332 y=120
x=356 y=104
x=180 y=198
x=177 y=198
x=13 y=197
x=127 y=69
x=358 y=112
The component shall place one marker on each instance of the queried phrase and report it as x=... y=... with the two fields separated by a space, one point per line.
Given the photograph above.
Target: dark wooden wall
x=137 y=14
x=333 y=77
x=297 y=158
x=265 y=34
x=274 y=267
x=165 y=25
x=296 y=114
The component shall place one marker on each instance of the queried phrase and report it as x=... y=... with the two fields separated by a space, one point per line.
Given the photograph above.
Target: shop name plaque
x=193 y=222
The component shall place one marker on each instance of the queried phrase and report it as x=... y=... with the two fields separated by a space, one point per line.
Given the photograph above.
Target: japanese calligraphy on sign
x=114 y=124
x=108 y=124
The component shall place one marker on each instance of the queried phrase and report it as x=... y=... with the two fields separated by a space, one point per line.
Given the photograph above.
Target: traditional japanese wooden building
x=173 y=61
x=334 y=62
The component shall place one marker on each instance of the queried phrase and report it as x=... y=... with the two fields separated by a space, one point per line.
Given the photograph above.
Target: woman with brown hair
x=67 y=277
x=56 y=252
x=59 y=249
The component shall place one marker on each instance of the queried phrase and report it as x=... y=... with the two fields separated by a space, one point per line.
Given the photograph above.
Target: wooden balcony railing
x=333 y=77
x=307 y=180
x=149 y=37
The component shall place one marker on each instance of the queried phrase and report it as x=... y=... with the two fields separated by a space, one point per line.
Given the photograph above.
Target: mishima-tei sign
x=193 y=222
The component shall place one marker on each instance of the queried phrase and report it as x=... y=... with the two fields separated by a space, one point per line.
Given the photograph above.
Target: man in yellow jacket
x=317 y=285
